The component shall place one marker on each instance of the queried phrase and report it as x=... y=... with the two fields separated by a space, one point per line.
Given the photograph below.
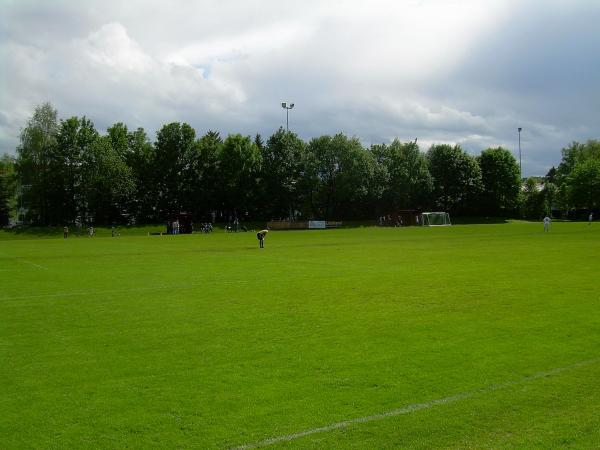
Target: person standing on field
x=547 y=223
x=591 y=218
x=261 y=238
x=65 y=232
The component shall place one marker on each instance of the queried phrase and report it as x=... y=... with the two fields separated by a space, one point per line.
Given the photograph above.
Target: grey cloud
x=228 y=66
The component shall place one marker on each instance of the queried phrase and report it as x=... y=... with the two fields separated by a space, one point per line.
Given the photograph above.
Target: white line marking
x=412 y=408
x=21 y=260
x=116 y=291
x=32 y=263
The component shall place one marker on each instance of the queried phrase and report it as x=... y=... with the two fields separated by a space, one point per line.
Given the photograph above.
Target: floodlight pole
x=287 y=108
x=520 y=166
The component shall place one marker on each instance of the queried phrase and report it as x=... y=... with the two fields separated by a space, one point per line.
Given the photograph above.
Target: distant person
x=65 y=232
x=261 y=238
x=90 y=231
x=547 y=223
x=591 y=218
x=113 y=231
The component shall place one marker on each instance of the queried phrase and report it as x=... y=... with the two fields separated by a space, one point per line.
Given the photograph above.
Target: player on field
x=261 y=238
x=547 y=223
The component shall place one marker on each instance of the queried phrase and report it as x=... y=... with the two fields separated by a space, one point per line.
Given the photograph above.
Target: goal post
x=431 y=219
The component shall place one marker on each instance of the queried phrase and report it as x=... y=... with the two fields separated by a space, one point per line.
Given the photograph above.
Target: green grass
x=206 y=341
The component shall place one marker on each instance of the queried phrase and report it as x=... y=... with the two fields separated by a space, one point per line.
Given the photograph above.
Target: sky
x=468 y=72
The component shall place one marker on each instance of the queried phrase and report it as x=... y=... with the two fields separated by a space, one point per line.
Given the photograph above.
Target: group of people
x=235 y=226
x=548 y=222
x=206 y=228
x=389 y=221
x=174 y=227
x=91 y=231
x=397 y=220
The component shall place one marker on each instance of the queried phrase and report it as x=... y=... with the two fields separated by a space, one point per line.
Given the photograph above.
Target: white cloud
x=111 y=47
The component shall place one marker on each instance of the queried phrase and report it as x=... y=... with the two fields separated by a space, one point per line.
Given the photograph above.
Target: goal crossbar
x=435 y=219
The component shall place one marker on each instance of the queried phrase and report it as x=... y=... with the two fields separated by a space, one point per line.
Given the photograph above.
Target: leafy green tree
x=456 y=178
x=141 y=159
x=281 y=174
x=200 y=168
x=573 y=156
x=338 y=172
x=405 y=175
x=239 y=169
x=107 y=182
x=119 y=137
x=550 y=196
x=173 y=144
x=34 y=164
x=501 y=181
x=532 y=201
x=208 y=192
x=4 y=206
x=583 y=184
x=75 y=142
x=9 y=185
x=577 y=153
x=258 y=141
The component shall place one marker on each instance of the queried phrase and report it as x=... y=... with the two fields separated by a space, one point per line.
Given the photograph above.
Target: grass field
x=478 y=336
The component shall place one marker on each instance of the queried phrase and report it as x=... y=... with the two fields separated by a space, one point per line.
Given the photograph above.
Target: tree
x=456 y=178
x=173 y=144
x=107 y=182
x=141 y=159
x=239 y=163
x=583 y=184
x=258 y=141
x=577 y=153
x=119 y=140
x=209 y=193
x=4 y=207
x=75 y=143
x=7 y=187
x=281 y=173
x=573 y=156
x=338 y=173
x=406 y=178
x=532 y=202
x=501 y=181
x=35 y=154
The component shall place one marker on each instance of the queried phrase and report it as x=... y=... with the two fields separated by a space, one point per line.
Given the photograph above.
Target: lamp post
x=520 y=167
x=287 y=108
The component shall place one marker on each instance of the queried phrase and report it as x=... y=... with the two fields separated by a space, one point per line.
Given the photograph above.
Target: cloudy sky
x=443 y=71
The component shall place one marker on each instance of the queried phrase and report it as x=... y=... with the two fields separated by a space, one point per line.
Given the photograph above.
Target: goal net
x=429 y=219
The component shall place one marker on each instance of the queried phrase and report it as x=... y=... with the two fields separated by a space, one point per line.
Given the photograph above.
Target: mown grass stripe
x=414 y=407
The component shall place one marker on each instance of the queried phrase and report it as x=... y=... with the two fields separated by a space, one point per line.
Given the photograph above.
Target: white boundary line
x=414 y=407
x=21 y=260
x=117 y=291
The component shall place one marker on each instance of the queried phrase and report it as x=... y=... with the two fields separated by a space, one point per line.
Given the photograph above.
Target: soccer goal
x=430 y=219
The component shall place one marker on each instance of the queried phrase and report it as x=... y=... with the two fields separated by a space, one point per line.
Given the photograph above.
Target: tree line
x=66 y=172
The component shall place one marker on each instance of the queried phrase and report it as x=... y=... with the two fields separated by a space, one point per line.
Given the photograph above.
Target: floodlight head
x=284 y=105
x=291 y=105
x=520 y=129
